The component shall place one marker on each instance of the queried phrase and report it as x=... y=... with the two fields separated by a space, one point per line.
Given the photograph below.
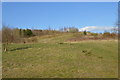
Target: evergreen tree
x=85 y=33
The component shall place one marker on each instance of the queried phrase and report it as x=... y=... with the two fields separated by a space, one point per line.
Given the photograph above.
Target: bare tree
x=6 y=37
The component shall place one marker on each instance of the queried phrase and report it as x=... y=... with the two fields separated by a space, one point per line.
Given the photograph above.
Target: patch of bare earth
x=88 y=38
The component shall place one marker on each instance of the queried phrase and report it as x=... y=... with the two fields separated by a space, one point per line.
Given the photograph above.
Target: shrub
x=27 y=33
x=109 y=35
x=94 y=34
x=85 y=33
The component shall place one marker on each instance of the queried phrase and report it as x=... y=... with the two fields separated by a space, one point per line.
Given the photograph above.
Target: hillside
x=54 y=56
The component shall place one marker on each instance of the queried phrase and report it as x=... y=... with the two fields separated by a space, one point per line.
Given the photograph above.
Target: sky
x=60 y=0
x=91 y=16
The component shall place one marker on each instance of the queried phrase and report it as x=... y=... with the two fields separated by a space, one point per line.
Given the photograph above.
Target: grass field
x=53 y=57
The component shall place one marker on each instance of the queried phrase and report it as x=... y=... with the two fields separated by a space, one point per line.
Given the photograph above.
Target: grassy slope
x=0 y=61
x=49 y=59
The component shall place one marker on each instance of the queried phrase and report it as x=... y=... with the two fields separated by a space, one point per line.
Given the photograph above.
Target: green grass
x=53 y=60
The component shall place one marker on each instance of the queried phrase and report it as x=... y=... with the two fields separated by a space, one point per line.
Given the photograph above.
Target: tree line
x=15 y=35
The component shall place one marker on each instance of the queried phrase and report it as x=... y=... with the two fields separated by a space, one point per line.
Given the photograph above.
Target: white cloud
x=96 y=28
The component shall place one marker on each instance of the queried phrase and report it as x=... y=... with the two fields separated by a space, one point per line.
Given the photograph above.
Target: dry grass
x=50 y=59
